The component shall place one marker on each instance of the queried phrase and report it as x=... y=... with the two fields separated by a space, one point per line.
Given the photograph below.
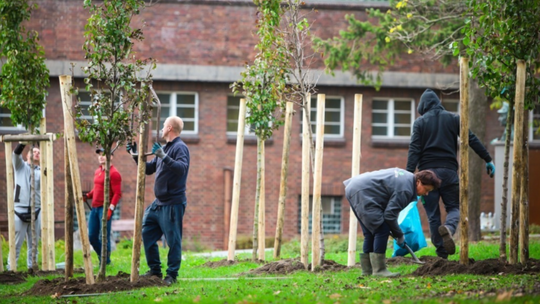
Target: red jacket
x=97 y=194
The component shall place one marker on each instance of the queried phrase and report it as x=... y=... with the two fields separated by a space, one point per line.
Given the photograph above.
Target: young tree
x=114 y=80
x=264 y=84
x=24 y=81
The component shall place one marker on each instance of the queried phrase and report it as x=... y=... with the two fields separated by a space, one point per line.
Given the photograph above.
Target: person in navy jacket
x=165 y=215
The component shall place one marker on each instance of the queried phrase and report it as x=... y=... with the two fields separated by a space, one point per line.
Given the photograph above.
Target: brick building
x=201 y=47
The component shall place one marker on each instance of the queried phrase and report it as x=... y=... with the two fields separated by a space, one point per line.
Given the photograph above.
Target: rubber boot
x=365 y=262
x=448 y=242
x=378 y=262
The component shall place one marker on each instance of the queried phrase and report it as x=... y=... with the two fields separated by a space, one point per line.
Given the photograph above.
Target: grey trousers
x=23 y=231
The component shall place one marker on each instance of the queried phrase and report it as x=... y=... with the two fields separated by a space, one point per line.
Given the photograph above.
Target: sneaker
x=169 y=280
x=149 y=273
x=448 y=242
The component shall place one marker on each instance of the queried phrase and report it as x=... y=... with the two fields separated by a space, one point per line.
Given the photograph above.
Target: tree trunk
x=477 y=109
x=257 y=197
x=104 y=235
x=504 y=200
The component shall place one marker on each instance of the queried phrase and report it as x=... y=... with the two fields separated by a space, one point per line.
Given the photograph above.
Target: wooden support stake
x=44 y=210
x=317 y=181
x=283 y=180
x=524 y=205
x=10 y=206
x=355 y=170
x=306 y=165
x=464 y=161
x=50 y=202
x=69 y=208
x=237 y=178
x=261 y=225
x=518 y=161
x=24 y=137
x=139 y=204
x=65 y=84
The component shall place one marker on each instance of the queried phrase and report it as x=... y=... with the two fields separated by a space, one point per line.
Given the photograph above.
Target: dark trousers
x=376 y=241
x=449 y=192
x=94 y=232
x=159 y=221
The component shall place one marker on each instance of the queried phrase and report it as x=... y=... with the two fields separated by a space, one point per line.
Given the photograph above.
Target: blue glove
x=157 y=150
x=490 y=169
x=131 y=147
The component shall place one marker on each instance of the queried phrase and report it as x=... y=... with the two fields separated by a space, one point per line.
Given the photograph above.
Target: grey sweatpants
x=24 y=231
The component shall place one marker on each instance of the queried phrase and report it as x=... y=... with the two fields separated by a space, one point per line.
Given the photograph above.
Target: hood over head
x=429 y=101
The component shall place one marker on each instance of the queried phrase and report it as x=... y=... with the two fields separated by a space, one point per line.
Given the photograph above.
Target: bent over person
x=98 y=198
x=165 y=215
x=23 y=229
x=376 y=199
x=434 y=144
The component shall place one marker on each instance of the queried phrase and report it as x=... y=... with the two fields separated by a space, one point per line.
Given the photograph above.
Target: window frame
x=247 y=127
x=336 y=212
x=390 y=125
x=4 y=129
x=313 y=118
x=173 y=110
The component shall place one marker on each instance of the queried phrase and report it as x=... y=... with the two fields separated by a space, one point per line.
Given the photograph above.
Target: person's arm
x=479 y=148
x=397 y=202
x=151 y=166
x=17 y=160
x=415 y=148
x=178 y=163
x=116 y=188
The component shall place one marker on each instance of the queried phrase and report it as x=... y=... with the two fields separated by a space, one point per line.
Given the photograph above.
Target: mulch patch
x=440 y=266
x=120 y=282
x=10 y=277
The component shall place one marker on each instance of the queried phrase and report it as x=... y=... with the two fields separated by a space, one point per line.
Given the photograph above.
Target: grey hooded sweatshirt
x=22 y=172
x=379 y=196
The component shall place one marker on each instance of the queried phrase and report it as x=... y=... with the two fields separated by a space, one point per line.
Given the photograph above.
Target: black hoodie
x=434 y=141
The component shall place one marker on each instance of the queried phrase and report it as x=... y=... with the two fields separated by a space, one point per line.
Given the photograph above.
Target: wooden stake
x=68 y=211
x=139 y=204
x=65 y=85
x=44 y=210
x=317 y=180
x=24 y=137
x=306 y=145
x=518 y=162
x=50 y=202
x=283 y=180
x=237 y=178
x=464 y=161
x=10 y=206
x=524 y=205
x=355 y=170
x=262 y=226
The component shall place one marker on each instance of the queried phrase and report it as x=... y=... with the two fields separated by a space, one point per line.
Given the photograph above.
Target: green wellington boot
x=378 y=262
x=365 y=262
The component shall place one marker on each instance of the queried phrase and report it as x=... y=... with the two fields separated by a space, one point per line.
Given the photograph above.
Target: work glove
x=490 y=167
x=401 y=241
x=132 y=148
x=157 y=150
x=110 y=212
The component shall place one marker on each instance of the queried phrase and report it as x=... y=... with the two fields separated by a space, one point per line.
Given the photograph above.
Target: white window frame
x=247 y=127
x=532 y=126
x=390 y=111
x=12 y=128
x=173 y=105
x=313 y=118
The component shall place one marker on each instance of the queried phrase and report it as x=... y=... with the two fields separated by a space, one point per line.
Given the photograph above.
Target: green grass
x=303 y=287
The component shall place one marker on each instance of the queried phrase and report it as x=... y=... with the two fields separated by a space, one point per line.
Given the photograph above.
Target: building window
x=333 y=117
x=182 y=104
x=233 y=109
x=451 y=105
x=534 y=121
x=6 y=124
x=392 y=118
x=85 y=100
x=331 y=214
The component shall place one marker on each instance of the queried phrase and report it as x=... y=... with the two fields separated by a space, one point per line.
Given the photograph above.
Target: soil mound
x=10 y=277
x=291 y=265
x=399 y=260
x=483 y=267
x=120 y=282
x=219 y=263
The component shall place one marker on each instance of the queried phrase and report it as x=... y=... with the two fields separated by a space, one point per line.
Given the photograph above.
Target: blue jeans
x=376 y=241
x=158 y=221
x=449 y=192
x=94 y=232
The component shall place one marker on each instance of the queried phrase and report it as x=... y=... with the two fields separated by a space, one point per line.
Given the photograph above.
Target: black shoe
x=448 y=242
x=149 y=273
x=169 y=280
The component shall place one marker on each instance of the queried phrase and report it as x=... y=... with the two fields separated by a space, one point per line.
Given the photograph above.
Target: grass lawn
x=225 y=285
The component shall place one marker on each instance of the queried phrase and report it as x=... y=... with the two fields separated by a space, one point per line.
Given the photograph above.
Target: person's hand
x=401 y=241
x=110 y=212
x=490 y=167
x=131 y=147
x=157 y=150
x=24 y=143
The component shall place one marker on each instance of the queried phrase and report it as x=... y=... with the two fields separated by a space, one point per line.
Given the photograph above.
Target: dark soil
x=399 y=260
x=219 y=263
x=292 y=265
x=121 y=282
x=10 y=277
x=438 y=266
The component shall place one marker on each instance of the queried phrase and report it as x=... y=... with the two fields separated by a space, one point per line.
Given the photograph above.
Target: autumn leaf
x=335 y=296
x=505 y=296
x=197 y=299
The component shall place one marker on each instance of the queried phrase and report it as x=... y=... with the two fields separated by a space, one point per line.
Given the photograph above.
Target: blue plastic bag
x=410 y=224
